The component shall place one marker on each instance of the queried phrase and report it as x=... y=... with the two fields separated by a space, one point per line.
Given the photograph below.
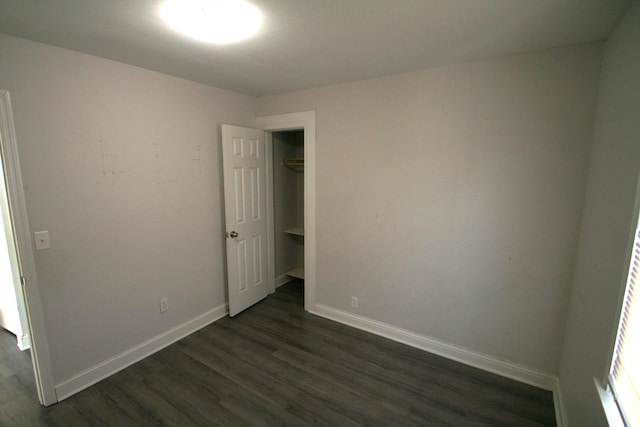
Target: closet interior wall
x=288 y=187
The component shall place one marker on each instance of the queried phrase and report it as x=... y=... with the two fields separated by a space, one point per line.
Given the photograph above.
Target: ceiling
x=309 y=43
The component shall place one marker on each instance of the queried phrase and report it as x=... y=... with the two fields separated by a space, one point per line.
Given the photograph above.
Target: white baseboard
x=282 y=280
x=468 y=357
x=478 y=360
x=127 y=358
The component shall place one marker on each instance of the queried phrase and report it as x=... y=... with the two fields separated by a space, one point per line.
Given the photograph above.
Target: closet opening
x=300 y=127
x=288 y=208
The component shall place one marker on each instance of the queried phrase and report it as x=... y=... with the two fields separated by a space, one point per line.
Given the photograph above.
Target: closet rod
x=293 y=161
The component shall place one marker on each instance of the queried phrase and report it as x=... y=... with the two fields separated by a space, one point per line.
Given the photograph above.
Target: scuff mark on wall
x=197 y=158
x=108 y=158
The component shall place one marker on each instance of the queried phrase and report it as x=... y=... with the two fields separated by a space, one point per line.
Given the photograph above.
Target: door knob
x=233 y=234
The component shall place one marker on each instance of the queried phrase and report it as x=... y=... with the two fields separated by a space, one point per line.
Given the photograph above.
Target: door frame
x=305 y=121
x=40 y=355
x=12 y=262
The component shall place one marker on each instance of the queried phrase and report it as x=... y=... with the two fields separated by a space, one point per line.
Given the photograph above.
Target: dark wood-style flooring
x=274 y=364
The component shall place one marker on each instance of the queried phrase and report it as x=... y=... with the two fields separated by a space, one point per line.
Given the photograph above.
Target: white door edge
x=306 y=121
x=271 y=261
x=39 y=341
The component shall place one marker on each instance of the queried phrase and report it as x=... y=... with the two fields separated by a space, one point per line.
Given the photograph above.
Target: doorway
x=247 y=156
x=19 y=237
x=13 y=312
x=302 y=122
x=288 y=205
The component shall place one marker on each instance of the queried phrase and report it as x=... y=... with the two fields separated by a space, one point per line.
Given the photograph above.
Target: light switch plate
x=42 y=240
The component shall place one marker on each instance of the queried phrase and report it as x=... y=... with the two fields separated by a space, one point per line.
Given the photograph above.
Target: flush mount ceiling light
x=213 y=21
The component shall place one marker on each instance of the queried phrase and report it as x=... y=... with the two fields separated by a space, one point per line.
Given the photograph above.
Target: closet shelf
x=296 y=231
x=297 y=272
x=293 y=162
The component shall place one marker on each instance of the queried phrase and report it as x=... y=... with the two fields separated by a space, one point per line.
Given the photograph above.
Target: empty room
x=281 y=212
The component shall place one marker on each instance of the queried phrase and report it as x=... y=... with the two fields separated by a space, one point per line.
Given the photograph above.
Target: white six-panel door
x=244 y=167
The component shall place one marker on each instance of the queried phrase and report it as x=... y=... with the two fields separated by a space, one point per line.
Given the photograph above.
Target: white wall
x=600 y=269
x=122 y=166
x=448 y=200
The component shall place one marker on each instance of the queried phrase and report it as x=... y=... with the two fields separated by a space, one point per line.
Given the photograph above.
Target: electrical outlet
x=164 y=305
x=354 y=302
x=42 y=240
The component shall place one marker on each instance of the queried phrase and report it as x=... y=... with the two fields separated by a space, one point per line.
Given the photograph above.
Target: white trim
x=307 y=121
x=127 y=358
x=271 y=260
x=559 y=406
x=615 y=327
x=603 y=384
x=41 y=358
x=609 y=405
x=478 y=360
x=19 y=325
x=24 y=342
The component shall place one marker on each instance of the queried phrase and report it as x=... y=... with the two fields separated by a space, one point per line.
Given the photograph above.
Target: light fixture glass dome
x=213 y=21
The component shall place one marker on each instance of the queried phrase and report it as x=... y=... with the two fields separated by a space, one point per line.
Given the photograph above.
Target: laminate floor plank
x=275 y=364
x=439 y=395
x=300 y=389
x=235 y=397
x=457 y=379
x=265 y=379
